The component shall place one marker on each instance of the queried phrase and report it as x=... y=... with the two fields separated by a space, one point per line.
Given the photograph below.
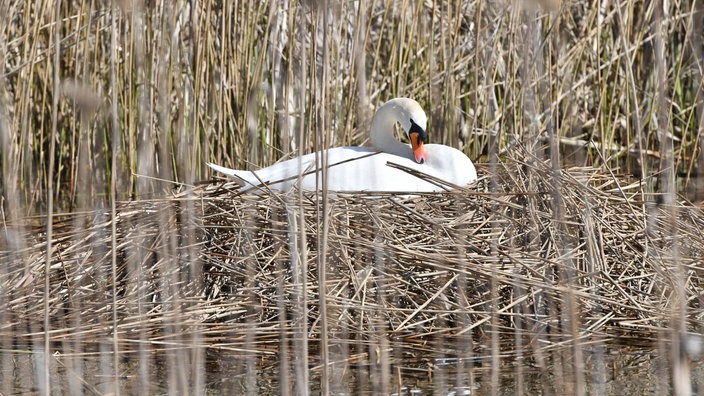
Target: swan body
x=367 y=168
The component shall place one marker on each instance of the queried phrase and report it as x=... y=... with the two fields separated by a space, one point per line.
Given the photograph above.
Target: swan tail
x=242 y=177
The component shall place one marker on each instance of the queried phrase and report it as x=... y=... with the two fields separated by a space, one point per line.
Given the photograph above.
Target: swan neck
x=383 y=138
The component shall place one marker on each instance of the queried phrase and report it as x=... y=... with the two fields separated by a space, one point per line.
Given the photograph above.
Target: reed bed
x=409 y=281
x=585 y=118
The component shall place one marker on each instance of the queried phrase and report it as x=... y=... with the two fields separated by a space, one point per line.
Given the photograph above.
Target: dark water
x=608 y=371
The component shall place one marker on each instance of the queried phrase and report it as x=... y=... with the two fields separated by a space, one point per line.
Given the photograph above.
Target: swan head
x=418 y=138
x=412 y=118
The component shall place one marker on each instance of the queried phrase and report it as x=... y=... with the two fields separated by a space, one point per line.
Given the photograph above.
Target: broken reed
x=437 y=275
x=152 y=90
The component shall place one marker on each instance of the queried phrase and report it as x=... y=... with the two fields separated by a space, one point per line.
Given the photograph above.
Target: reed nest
x=550 y=255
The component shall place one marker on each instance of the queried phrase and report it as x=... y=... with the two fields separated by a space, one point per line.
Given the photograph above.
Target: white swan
x=366 y=168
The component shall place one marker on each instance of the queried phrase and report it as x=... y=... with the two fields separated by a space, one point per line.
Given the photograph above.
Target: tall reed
x=103 y=101
x=222 y=82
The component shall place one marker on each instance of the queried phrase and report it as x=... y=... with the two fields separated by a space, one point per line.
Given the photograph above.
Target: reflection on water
x=610 y=371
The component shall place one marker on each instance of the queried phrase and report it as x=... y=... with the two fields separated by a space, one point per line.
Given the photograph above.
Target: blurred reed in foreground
x=536 y=267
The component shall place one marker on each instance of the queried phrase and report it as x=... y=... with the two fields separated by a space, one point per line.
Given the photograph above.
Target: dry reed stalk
x=245 y=84
x=235 y=83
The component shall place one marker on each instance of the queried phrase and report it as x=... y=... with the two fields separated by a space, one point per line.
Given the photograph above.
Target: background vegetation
x=156 y=88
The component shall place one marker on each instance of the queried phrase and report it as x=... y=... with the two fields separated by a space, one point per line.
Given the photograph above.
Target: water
x=615 y=370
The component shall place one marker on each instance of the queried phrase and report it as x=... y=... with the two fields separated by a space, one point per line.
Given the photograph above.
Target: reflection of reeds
x=407 y=279
x=142 y=94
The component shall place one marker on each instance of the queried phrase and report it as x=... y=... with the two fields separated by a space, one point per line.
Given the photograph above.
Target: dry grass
x=246 y=84
x=409 y=280
x=586 y=117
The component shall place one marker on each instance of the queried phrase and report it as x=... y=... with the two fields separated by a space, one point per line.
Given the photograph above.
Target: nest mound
x=576 y=253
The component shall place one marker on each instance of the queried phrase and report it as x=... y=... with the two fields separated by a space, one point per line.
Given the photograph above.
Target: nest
x=524 y=251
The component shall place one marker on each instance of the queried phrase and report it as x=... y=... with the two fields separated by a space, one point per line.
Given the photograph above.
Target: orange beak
x=417 y=145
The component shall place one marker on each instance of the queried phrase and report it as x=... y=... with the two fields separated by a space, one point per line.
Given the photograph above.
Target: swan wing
x=353 y=169
x=285 y=174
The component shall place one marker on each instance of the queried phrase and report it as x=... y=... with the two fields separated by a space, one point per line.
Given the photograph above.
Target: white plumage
x=365 y=168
